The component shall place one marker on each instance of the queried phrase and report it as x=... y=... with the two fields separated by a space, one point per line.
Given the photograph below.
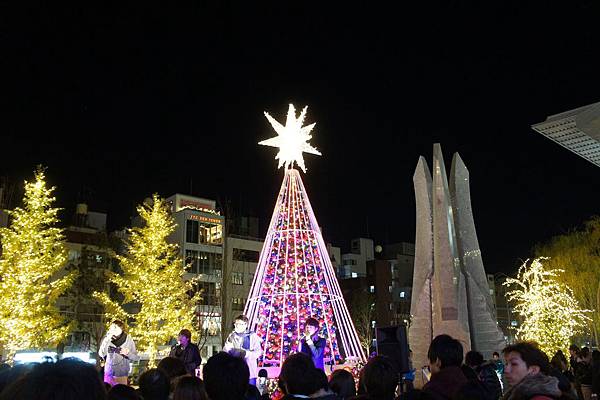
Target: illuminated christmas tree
x=550 y=315
x=294 y=279
x=152 y=282
x=31 y=268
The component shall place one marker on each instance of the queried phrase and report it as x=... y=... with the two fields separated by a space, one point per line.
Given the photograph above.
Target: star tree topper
x=291 y=139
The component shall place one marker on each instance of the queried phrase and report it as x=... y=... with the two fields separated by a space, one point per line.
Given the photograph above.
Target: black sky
x=129 y=100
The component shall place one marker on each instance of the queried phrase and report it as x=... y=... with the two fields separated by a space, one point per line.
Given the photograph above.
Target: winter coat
x=315 y=352
x=235 y=345
x=445 y=384
x=117 y=365
x=534 y=387
x=331 y=396
x=190 y=355
x=489 y=379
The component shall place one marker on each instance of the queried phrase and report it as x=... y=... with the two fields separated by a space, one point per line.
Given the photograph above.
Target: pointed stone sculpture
x=450 y=290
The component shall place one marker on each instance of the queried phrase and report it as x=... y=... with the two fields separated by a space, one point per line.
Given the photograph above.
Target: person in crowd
x=190 y=388
x=559 y=370
x=154 y=385
x=300 y=379
x=378 y=380
x=187 y=352
x=252 y=393
x=312 y=344
x=559 y=362
x=67 y=379
x=122 y=392
x=324 y=392
x=244 y=344
x=174 y=368
x=226 y=377
x=486 y=374
x=499 y=365
x=526 y=371
x=118 y=350
x=261 y=383
x=408 y=378
x=570 y=373
x=583 y=372
x=573 y=354
x=11 y=374
x=445 y=356
x=342 y=383
x=596 y=374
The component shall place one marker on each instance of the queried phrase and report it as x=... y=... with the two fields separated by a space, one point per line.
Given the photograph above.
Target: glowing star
x=292 y=139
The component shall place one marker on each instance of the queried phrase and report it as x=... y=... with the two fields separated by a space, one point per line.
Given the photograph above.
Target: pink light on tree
x=294 y=279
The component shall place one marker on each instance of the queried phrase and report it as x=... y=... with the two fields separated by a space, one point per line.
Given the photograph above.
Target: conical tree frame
x=295 y=280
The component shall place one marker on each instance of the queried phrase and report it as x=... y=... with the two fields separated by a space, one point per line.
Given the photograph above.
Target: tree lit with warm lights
x=152 y=281
x=550 y=315
x=31 y=268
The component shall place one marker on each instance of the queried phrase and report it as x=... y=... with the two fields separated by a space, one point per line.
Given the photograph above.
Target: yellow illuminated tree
x=152 y=281
x=31 y=272
x=577 y=252
x=550 y=315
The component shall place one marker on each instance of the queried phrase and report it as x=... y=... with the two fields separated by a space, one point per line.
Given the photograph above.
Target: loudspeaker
x=392 y=342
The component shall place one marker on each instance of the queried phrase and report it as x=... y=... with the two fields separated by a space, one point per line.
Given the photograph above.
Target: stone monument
x=450 y=290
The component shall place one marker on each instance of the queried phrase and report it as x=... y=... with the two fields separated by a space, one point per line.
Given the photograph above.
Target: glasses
x=240 y=324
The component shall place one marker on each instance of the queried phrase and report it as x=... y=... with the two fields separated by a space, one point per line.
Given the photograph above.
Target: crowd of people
x=521 y=372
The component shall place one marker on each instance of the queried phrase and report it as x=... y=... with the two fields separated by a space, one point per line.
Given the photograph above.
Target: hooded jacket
x=248 y=344
x=445 y=384
x=534 y=387
x=116 y=364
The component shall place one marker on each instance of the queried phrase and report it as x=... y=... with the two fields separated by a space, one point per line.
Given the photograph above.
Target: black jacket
x=316 y=353
x=190 y=356
x=489 y=379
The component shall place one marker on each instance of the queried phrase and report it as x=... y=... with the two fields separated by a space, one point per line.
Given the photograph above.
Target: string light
x=294 y=279
x=550 y=315
x=33 y=256
x=153 y=279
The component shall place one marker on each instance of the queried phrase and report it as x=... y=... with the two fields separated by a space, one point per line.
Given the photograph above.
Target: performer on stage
x=187 y=352
x=118 y=350
x=244 y=344
x=312 y=344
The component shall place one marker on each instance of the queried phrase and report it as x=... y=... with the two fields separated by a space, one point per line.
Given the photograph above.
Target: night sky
x=122 y=102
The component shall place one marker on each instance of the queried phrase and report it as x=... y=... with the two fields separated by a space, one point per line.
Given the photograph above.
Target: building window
x=372 y=324
x=211 y=234
x=402 y=294
x=199 y=262
x=355 y=275
x=246 y=255
x=211 y=324
x=390 y=289
x=191 y=231
x=237 y=303
x=372 y=289
x=237 y=278
x=211 y=293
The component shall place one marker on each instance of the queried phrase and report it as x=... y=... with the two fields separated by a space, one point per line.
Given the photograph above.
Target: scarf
x=119 y=340
x=245 y=339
